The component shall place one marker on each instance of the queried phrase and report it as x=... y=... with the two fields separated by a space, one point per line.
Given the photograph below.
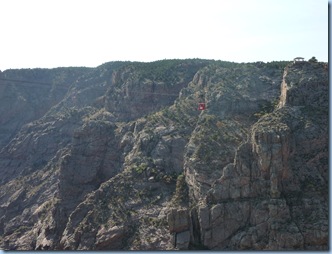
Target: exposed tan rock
x=110 y=238
x=121 y=159
x=178 y=220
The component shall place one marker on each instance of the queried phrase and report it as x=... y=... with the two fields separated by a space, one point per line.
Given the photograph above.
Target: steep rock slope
x=27 y=94
x=274 y=195
x=124 y=160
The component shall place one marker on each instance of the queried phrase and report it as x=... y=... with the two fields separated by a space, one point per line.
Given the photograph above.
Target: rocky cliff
x=120 y=157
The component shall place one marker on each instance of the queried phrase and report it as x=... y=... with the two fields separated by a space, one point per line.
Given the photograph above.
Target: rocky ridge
x=119 y=157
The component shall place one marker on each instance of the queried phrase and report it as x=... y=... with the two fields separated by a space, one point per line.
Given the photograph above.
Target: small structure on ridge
x=298 y=59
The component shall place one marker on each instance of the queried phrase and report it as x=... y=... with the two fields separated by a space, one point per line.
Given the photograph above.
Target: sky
x=60 y=33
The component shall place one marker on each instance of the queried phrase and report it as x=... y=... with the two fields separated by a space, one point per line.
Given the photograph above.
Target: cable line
x=50 y=84
x=25 y=81
x=169 y=94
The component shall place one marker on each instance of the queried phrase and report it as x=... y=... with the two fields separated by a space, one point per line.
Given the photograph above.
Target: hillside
x=120 y=157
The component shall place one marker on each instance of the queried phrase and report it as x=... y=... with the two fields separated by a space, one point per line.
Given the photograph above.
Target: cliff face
x=119 y=157
x=27 y=94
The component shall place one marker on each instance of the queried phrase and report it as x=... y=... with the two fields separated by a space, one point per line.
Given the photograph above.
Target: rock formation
x=119 y=157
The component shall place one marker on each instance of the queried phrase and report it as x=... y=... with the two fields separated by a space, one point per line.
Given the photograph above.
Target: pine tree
x=313 y=60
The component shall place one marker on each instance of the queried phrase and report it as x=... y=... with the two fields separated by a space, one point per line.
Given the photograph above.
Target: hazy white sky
x=53 y=33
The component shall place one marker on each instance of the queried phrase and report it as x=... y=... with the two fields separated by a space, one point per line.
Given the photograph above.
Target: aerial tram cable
x=24 y=82
x=201 y=104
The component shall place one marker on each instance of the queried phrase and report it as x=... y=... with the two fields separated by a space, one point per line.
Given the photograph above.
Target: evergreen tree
x=313 y=60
